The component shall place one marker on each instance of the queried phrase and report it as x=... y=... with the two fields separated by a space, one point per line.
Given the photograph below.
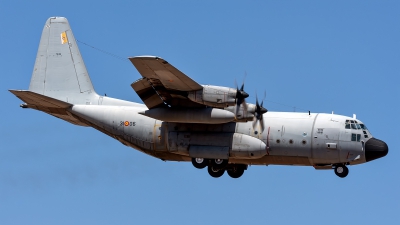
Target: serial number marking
x=127 y=123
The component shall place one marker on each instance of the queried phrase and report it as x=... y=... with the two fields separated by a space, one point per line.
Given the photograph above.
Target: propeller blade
x=244 y=107
x=261 y=123
x=254 y=123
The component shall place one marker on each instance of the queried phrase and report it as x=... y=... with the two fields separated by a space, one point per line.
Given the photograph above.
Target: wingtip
x=145 y=57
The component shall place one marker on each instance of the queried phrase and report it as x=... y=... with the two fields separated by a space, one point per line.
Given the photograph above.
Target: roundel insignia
x=126 y=123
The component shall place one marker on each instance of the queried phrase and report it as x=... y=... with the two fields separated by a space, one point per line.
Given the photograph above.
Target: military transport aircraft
x=181 y=120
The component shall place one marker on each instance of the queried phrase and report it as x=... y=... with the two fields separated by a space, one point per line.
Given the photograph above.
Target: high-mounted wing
x=153 y=67
x=162 y=84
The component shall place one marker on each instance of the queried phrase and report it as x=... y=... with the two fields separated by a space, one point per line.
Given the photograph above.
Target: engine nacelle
x=214 y=96
x=189 y=115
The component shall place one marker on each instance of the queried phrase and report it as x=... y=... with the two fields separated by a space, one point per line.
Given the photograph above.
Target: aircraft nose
x=374 y=149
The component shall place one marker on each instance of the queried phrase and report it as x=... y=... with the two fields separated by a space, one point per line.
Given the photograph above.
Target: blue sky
x=323 y=56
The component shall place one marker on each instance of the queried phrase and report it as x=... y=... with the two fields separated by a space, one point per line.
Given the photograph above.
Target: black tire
x=341 y=171
x=215 y=172
x=199 y=163
x=236 y=171
x=219 y=163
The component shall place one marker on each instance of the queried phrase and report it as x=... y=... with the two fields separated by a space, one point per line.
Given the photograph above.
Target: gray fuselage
x=290 y=138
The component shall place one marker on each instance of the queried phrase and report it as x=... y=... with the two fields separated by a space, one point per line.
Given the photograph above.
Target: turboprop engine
x=189 y=115
x=217 y=96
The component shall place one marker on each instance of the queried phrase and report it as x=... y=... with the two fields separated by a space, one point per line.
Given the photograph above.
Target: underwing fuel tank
x=204 y=115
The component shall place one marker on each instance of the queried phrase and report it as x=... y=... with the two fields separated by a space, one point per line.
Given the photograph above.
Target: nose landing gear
x=341 y=170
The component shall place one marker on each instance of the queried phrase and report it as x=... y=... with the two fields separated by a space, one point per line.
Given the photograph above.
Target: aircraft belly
x=275 y=160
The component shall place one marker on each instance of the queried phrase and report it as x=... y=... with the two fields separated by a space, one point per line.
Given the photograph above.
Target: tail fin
x=59 y=70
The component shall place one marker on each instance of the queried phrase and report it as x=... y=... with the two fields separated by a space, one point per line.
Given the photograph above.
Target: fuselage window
x=358 y=137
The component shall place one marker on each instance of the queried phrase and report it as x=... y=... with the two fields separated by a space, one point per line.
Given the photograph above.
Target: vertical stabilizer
x=59 y=70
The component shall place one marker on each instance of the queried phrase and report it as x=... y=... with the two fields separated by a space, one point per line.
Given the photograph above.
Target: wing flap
x=147 y=93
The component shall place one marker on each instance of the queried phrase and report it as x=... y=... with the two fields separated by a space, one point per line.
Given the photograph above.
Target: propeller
x=259 y=111
x=240 y=99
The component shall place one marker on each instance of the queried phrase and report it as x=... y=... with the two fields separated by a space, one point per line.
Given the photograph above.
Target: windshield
x=363 y=126
x=352 y=124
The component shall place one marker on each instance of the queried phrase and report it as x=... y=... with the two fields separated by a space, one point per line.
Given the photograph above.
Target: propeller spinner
x=259 y=111
x=240 y=99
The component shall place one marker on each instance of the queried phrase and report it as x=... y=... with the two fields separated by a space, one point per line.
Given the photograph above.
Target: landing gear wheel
x=219 y=163
x=236 y=171
x=199 y=163
x=215 y=172
x=341 y=171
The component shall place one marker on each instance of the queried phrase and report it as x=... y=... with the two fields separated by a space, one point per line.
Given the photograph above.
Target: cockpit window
x=363 y=126
x=356 y=137
x=352 y=124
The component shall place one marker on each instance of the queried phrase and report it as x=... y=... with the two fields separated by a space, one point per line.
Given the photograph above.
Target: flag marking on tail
x=64 y=38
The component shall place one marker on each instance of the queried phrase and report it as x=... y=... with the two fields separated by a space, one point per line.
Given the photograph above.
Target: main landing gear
x=341 y=170
x=217 y=167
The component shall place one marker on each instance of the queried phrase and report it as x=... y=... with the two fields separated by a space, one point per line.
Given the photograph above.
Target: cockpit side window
x=364 y=128
x=356 y=137
x=347 y=126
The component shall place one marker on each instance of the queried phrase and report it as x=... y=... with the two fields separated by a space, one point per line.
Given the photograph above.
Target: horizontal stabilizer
x=35 y=99
x=48 y=105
